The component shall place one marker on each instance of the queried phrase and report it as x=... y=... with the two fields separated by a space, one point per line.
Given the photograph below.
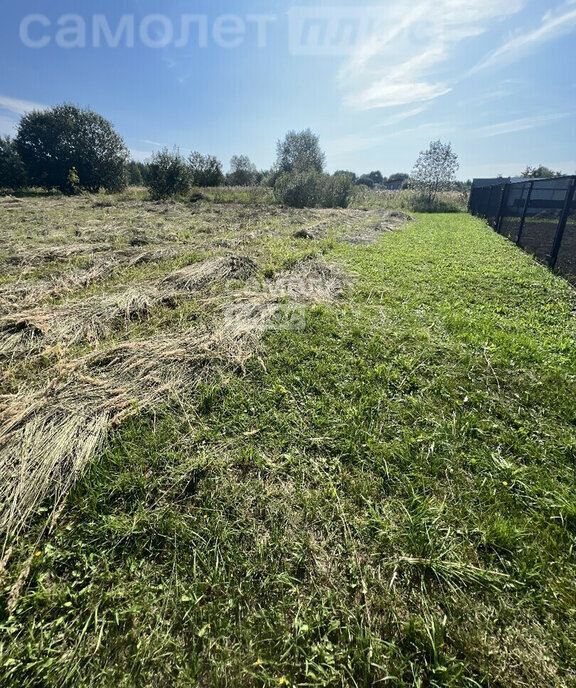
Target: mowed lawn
x=385 y=497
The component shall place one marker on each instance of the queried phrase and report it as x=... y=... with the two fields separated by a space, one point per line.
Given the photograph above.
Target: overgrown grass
x=383 y=498
x=412 y=201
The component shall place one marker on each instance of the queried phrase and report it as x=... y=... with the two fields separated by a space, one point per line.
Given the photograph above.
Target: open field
x=232 y=456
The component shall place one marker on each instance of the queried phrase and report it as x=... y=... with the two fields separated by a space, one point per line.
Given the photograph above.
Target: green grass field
x=384 y=498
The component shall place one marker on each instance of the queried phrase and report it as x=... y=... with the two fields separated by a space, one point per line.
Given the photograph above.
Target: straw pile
x=48 y=436
x=93 y=319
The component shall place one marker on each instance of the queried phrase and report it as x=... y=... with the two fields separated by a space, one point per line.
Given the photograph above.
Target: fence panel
x=537 y=214
x=567 y=254
x=513 y=210
x=543 y=216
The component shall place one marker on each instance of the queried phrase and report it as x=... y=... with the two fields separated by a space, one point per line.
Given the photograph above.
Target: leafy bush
x=311 y=189
x=337 y=190
x=206 y=170
x=168 y=174
x=299 y=189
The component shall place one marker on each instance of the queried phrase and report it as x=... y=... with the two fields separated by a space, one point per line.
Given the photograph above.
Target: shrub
x=337 y=190
x=168 y=174
x=299 y=189
x=74 y=187
x=310 y=189
x=206 y=170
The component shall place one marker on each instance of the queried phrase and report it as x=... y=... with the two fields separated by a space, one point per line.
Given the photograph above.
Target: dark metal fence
x=539 y=215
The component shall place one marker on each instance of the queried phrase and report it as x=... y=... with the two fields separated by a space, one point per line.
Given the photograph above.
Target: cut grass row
x=383 y=498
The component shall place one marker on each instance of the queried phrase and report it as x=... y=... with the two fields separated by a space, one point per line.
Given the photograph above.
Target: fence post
x=524 y=211
x=562 y=225
x=503 y=201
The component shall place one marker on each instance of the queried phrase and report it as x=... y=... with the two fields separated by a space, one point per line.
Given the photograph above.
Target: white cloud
x=18 y=106
x=403 y=60
x=11 y=109
x=521 y=124
x=554 y=25
x=401 y=116
x=150 y=143
x=389 y=94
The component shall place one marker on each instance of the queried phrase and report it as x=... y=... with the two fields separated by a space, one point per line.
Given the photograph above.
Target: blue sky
x=494 y=77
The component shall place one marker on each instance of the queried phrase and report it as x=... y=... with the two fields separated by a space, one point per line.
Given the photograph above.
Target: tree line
x=75 y=150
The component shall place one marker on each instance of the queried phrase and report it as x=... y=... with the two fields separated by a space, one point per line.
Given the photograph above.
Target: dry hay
x=388 y=222
x=88 y=320
x=48 y=436
x=247 y=238
x=93 y=319
x=278 y=303
x=24 y=294
x=199 y=275
x=37 y=256
x=398 y=216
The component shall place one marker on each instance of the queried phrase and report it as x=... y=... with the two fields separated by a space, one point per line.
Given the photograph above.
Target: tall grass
x=447 y=202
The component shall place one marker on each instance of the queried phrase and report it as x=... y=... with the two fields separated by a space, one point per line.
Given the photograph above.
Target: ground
x=233 y=456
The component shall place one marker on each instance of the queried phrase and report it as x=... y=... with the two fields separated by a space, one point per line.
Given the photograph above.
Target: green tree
x=377 y=177
x=51 y=142
x=435 y=170
x=541 y=172
x=134 y=172
x=12 y=170
x=365 y=180
x=168 y=174
x=398 y=177
x=243 y=172
x=299 y=152
x=351 y=175
x=206 y=170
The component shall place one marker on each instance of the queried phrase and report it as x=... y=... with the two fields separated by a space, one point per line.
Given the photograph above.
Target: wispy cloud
x=553 y=25
x=398 y=117
x=521 y=124
x=18 y=106
x=11 y=109
x=485 y=97
x=151 y=143
x=403 y=61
